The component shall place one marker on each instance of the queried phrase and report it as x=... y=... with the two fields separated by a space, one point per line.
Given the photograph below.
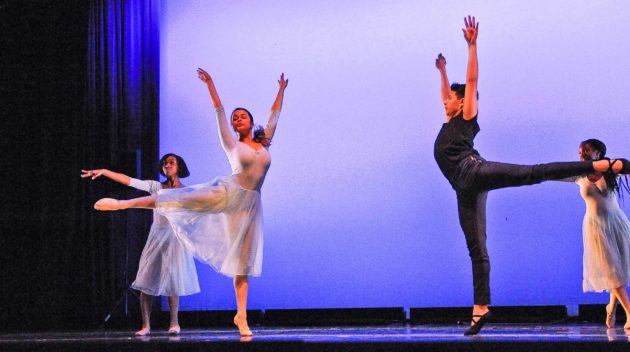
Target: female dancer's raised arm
x=270 y=129
x=227 y=139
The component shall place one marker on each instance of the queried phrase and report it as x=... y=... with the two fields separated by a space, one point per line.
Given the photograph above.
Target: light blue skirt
x=606 y=251
x=219 y=222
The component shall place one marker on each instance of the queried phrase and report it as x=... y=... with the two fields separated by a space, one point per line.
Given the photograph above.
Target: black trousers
x=475 y=177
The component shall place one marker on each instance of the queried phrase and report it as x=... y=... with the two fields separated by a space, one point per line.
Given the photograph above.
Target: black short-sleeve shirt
x=454 y=143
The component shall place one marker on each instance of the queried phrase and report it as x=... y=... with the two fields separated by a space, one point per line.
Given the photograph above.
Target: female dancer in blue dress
x=220 y=221
x=166 y=268
x=472 y=177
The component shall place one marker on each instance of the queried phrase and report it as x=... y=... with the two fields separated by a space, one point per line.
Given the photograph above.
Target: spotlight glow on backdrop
x=357 y=213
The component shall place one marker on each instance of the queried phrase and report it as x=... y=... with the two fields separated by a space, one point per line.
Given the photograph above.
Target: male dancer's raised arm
x=445 y=88
x=472 y=74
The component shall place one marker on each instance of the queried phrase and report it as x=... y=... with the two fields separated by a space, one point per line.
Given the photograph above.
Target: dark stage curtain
x=79 y=89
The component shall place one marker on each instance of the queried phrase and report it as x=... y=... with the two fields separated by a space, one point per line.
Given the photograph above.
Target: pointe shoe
x=477 y=325
x=174 y=330
x=107 y=204
x=143 y=332
x=243 y=328
x=610 y=317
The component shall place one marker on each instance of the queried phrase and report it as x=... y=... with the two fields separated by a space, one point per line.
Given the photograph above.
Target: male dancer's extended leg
x=492 y=175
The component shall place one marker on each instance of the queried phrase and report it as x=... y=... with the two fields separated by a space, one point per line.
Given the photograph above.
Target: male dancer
x=472 y=176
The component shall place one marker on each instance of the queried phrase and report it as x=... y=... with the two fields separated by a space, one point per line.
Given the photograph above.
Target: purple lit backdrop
x=357 y=213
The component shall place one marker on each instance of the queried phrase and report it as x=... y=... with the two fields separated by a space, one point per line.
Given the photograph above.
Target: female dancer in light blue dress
x=166 y=268
x=220 y=221
x=606 y=234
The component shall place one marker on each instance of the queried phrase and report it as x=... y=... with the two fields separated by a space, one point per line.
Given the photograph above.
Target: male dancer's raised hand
x=471 y=30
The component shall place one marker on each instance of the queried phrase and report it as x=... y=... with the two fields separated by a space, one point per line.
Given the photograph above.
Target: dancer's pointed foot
x=107 y=204
x=610 y=316
x=476 y=325
x=143 y=332
x=174 y=329
x=619 y=166
x=241 y=323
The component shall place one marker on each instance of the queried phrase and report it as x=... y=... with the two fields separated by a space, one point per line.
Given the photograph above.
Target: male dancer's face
x=588 y=153
x=453 y=105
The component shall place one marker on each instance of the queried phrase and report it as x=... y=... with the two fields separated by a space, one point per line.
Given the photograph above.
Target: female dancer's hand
x=440 y=62
x=277 y=104
x=283 y=82
x=92 y=173
x=203 y=75
x=205 y=78
x=471 y=30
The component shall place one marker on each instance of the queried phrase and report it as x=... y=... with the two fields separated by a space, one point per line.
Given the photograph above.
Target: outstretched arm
x=445 y=89
x=227 y=139
x=472 y=74
x=275 y=108
x=118 y=177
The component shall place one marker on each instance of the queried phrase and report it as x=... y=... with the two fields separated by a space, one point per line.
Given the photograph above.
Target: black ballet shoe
x=625 y=166
x=477 y=325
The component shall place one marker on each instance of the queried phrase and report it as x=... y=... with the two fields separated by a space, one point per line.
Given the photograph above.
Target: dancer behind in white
x=220 y=221
x=166 y=268
x=606 y=233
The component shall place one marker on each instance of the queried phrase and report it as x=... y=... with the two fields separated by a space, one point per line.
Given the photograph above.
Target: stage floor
x=494 y=337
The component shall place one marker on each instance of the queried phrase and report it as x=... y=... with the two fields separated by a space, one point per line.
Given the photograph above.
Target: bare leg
x=173 y=305
x=622 y=296
x=611 y=307
x=241 y=285
x=113 y=204
x=145 y=308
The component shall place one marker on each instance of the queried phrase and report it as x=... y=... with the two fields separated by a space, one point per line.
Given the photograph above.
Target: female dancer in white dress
x=606 y=233
x=166 y=268
x=220 y=221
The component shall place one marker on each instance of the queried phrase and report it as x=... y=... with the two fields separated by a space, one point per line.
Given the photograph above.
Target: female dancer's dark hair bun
x=260 y=137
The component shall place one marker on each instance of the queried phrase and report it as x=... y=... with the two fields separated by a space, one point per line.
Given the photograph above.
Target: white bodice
x=152 y=187
x=598 y=198
x=249 y=166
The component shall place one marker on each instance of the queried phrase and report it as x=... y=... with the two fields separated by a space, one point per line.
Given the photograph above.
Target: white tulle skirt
x=219 y=222
x=606 y=251
x=166 y=268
